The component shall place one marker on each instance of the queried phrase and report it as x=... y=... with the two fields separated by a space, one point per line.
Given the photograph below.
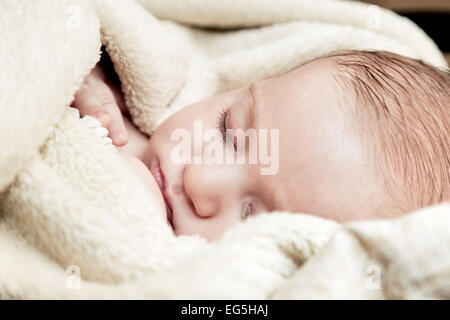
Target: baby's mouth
x=159 y=177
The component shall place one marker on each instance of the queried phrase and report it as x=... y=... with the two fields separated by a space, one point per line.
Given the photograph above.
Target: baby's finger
x=111 y=113
x=118 y=96
x=117 y=130
x=88 y=104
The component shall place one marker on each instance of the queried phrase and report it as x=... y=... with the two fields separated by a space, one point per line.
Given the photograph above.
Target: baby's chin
x=142 y=172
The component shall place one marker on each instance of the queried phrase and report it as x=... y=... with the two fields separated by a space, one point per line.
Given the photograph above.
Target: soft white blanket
x=76 y=223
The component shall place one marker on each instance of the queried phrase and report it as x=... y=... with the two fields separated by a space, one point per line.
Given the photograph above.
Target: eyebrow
x=253 y=91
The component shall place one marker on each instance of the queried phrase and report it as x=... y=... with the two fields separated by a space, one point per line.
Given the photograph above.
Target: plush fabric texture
x=76 y=223
x=402 y=259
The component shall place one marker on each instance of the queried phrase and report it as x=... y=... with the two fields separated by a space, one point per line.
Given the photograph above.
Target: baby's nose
x=205 y=189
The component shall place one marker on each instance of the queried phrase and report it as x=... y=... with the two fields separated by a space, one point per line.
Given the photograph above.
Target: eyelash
x=247 y=208
x=221 y=125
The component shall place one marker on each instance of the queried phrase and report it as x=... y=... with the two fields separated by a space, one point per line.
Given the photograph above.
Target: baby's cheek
x=142 y=172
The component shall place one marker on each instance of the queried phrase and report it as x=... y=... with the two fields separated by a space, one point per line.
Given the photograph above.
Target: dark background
x=433 y=16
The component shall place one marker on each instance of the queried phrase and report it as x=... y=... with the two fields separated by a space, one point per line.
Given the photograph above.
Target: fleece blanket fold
x=76 y=223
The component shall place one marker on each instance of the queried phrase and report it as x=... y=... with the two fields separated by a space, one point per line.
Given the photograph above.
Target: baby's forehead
x=322 y=65
x=315 y=141
x=315 y=80
x=308 y=98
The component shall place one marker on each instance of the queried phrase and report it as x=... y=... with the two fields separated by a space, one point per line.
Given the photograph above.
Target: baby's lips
x=169 y=215
x=157 y=174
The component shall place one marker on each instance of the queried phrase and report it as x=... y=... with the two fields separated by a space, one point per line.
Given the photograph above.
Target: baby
x=361 y=135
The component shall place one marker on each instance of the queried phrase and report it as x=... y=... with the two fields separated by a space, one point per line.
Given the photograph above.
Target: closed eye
x=222 y=125
x=247 y=210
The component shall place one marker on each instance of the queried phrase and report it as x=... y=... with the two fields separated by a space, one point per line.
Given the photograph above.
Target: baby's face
x=317 y=163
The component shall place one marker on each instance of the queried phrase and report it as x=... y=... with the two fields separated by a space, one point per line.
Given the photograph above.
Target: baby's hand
x=102 y=99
